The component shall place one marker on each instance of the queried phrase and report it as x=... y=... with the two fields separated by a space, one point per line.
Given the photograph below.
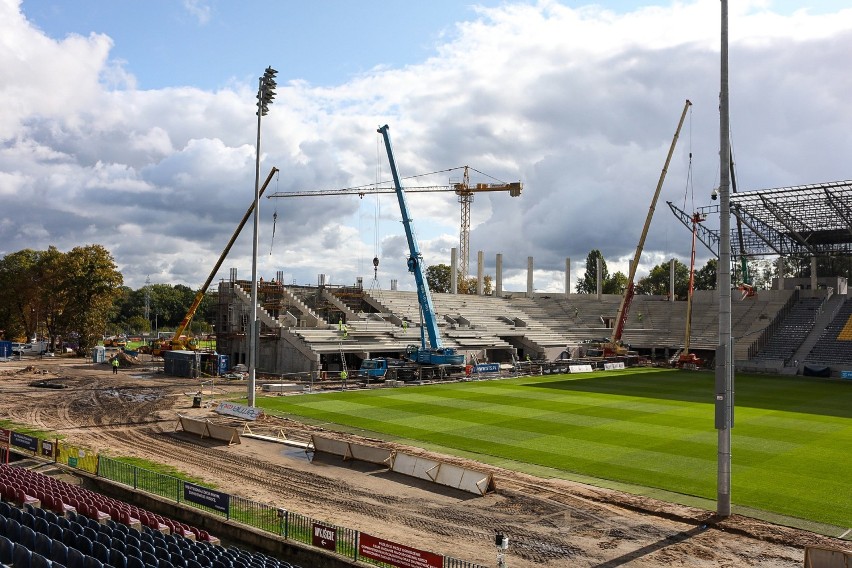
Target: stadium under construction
x=801 y=325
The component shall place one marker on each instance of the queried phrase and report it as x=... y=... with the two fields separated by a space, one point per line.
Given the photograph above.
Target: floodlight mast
x=724 y=356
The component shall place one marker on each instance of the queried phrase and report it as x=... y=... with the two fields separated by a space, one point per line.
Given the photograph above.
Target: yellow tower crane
x=463 y=189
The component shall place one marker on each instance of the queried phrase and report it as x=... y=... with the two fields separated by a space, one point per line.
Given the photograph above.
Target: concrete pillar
x=530 y=289
x=498 y=276
x=454 y=271
x=813 y=273
x=780 y=268
x=672 y=265
x=568 y=275
x=599 y=278
x=480 y=283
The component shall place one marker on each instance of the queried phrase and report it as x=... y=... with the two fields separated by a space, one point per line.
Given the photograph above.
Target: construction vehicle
x=440 y=359
x=615 y=346
x=689 y=360
x=180 y=341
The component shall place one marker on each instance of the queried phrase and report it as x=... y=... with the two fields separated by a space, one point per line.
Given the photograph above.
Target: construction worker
x=343 y=375
x=404 y=325
x=115 y=365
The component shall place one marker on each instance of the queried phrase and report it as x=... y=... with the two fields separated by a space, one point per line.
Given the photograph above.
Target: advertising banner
x=239 y=410
x=396 y=554
x=24 y=441
x=207 y=497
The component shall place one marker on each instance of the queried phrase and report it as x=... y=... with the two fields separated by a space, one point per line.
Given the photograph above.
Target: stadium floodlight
x=265 y=95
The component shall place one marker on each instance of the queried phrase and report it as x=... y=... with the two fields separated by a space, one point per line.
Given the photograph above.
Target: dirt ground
x=550 y=523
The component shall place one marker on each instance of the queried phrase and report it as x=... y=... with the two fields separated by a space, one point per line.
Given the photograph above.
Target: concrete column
x=498 y=276
x=813 y=273
x=567 y=275
x=599 y=278
x=780 y=268
x=480 y=284
x=530 y=289
x=454 y=271
x=672 y=265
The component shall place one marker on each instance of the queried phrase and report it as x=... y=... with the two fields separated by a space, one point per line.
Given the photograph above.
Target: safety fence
x=289 y=525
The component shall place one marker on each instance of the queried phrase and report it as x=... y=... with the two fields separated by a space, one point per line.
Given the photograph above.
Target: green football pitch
x=643 y=428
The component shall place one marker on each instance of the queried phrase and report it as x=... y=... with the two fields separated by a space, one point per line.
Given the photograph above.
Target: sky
x=132 y=125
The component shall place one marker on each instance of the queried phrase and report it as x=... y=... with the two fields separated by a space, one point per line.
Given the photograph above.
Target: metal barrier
x=281 y=522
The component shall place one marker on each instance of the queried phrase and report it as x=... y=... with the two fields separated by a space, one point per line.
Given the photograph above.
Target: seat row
x=35 y=538
x=16 y=484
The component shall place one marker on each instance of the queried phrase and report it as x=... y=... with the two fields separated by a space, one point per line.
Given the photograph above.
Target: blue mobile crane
x=435 y=354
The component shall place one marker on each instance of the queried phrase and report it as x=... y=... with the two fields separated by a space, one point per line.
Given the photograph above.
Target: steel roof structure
x=803 y=220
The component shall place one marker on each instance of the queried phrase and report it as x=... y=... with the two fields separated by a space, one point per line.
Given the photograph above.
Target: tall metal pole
x=724 y=357
x=252 y=346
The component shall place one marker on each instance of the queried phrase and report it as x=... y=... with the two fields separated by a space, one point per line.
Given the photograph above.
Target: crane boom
x=629 y=291
x=176 y=342
x=436 y=354
x=415 y=258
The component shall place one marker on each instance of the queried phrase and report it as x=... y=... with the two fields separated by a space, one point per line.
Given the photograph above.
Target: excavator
x=615 y=346
x=179 y=341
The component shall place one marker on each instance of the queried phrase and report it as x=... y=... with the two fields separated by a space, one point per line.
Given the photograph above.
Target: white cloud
x=579 y=104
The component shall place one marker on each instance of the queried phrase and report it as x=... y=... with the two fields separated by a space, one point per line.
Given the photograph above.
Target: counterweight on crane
x=615 y=346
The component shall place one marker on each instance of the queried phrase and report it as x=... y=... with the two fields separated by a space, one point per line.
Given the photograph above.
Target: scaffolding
x=803 y=220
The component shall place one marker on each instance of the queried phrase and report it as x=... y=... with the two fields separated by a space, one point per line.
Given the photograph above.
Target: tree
x=705 y=277
x=657 y=281
x=438 y=277
x=615 y=284
x=589 y=283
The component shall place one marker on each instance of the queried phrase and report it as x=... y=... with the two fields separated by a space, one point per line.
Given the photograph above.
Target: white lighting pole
x=265 y=94
x=724 y=357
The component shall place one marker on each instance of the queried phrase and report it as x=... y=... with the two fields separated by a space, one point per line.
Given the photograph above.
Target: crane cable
x=689 y=190
x=275 y=214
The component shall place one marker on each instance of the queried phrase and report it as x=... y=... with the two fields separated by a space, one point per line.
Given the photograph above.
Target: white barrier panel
x=205 y=428
x=613 y=366
x=192 y=426
x=467 y=480
x=580 y=368
x=330 y=446
x=404 y=463
x=225 y=433
x=371 y=454
x=818 y=557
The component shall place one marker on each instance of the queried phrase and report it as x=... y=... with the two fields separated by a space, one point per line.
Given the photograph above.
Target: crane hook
x=375 y=267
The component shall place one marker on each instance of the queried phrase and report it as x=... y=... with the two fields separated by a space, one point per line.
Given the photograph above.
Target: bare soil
x=550 y=523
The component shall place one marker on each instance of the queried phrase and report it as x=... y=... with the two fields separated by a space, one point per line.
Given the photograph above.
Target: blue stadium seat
x=5 y=509
x=13 y=529
x=117 y=559
x=119 y=545
x=58 y=551
x=148 y=547
x=105 y=539
x=146 y=537
x=162 y=553
x=7 y=550
x=27 y=519
x=27 y=537
x=14 y=513
x=133 y=562
x=193 y=564
x=69 y=537
x=121 y=528
x=100 y=552
x=50 y=516
x=130 y=550
x=92 y=562
x=83 y=544
x=150 y=560
x=90 y=533
x=42 y=544
x=23 y=556
x=41 y=525
x=39 y=561
x=132 y=541
x=54 y=531
x=63 y=522
x=76 y=559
